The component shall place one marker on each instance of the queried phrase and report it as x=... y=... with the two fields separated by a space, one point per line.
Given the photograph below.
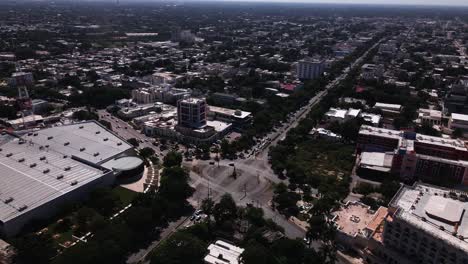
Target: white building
x=428 y=223
x=43 y=169
x=309 y=69
x=429 y=116
x=341 y=115
x=222 y=252
x=162 y=93
x=458 y=121
x=389 y=109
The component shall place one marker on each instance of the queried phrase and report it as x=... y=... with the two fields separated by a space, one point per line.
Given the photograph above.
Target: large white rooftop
x=459 y=117
x=32 y=175
x=88 y=141
x=222 y=252
x=435 y=210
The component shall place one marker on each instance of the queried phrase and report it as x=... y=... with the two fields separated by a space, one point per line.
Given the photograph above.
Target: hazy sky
x=399 y=2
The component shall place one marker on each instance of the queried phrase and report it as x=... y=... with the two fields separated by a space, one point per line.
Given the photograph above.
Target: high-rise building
x=310 y=69
x=191 y=112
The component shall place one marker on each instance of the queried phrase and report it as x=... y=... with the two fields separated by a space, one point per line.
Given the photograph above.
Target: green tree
x=181 y=248
x=146 y=152
x=133 y=141
x=207 y=206
x=256 y=253
x=174 y=184
x=225 y=210
x=457 y=133
x=34 y=248
x=173 y=158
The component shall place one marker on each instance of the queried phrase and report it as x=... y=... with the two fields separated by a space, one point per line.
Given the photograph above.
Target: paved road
x=256 y=166
x=302 y=113
x=126 y=131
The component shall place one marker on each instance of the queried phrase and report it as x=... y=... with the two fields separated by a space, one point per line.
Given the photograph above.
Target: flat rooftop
x=32 y=175
x=383 y=132
x=88 y=140
x=459 y=117
x=376 y=160
x=222 y=252
x=353 y=218
x=394 y=107
x=436 y=210
x=231 y=112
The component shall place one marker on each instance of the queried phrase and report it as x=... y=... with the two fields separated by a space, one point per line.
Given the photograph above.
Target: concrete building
x=191 y=112
x=426 y=224
x=422 y=224
x=375 y=165
x=161 y=78
x=458 y=121
x=324 y=134
x=160 y=93
x=222 y=252
x=43 y=169
x=39 y=105
x=164 y=123
x=371 y=119
x=389 y=110
x=238 y=118
x=455 y=100
x=341 y=115
x=371 y=71
x=354 y=222
x=416 y=156
x=21 y=79
x=429 y=116
x=227 y=99
x=309 y=69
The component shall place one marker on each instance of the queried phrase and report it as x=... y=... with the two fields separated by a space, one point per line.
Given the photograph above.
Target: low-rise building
x=429 y=116
x=371 y=71
x=416 y=156
x=458 y=121
x=341 y=115
x=389 y=110
x=354 y=222
x=237 y=117
x=222 y=252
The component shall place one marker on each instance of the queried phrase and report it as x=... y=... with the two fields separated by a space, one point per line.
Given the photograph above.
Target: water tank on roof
x=238 y=113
